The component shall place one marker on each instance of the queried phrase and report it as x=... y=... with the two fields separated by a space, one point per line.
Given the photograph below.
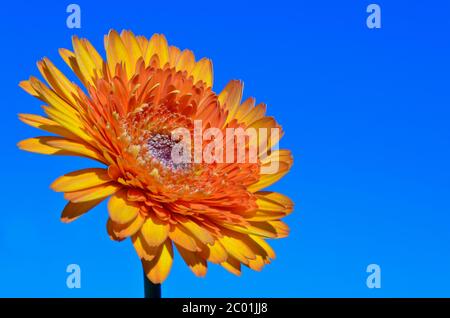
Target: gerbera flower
x=132 y=102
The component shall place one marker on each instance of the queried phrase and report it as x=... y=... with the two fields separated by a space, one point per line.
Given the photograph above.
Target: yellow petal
x=143 y=43
x=214 y=253
x=198 y=231
x=264 y=245
x=230 y=98
x=271 y=206
x=144 y=251
x=174 y=54
x=120 y=209
x=269 y=229
x=133 y=48
x=194 y=261
x=46 y=124
x=121 y=231
x=73 y=211
x=101 y=191
x=183 y=238
x=273 y=201
x=81 y=179
x=232 y=265
x=186 y=61
x=203 y=71
x=256 y=264
x=116 y=53
x=51 y=98
x=95 y=56
x=39 y=145
x=27 y=87
x=58 y=81
x=236 y=245
x=84 y=60
x=284 y=159
x=248 y=229
x=70 y=59
x=157 y=46
x=154 y=231
x=74 y=147
x=158 y=269
x=245 y=108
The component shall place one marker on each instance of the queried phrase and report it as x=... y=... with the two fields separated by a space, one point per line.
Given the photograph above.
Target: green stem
x=151 y=290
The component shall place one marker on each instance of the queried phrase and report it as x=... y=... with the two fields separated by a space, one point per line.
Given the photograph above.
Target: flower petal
x=116 y=53
x=119 y=232
x=101 y=191
x=154 y=231
x=236 y=244
x=73 y=211
x=232 y=265
x=198 y=231
x=194 y=261
x=158 y=268
x=183 y=238
x=46 y=124
x=230 y=98
x=81 y=179
x=120 y=209
x=144 y=251
x=214 y=253
x=157 y=46
x=203 y=71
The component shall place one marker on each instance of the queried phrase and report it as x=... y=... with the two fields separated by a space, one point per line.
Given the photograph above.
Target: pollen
x=161 y=148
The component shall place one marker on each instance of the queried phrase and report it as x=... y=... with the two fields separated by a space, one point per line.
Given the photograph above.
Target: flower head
x=133 y=102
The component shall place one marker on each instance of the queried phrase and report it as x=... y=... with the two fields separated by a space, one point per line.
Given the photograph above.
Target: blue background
x=366 y=114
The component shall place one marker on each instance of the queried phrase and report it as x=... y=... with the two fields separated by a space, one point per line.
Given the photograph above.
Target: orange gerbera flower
x=133 y=101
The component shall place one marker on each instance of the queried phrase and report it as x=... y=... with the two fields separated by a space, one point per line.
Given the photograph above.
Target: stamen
x=160 y=148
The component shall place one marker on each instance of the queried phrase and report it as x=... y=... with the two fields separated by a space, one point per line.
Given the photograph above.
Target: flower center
x=160 y=147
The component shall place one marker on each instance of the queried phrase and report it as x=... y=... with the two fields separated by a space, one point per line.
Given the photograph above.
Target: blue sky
x=366 y=114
